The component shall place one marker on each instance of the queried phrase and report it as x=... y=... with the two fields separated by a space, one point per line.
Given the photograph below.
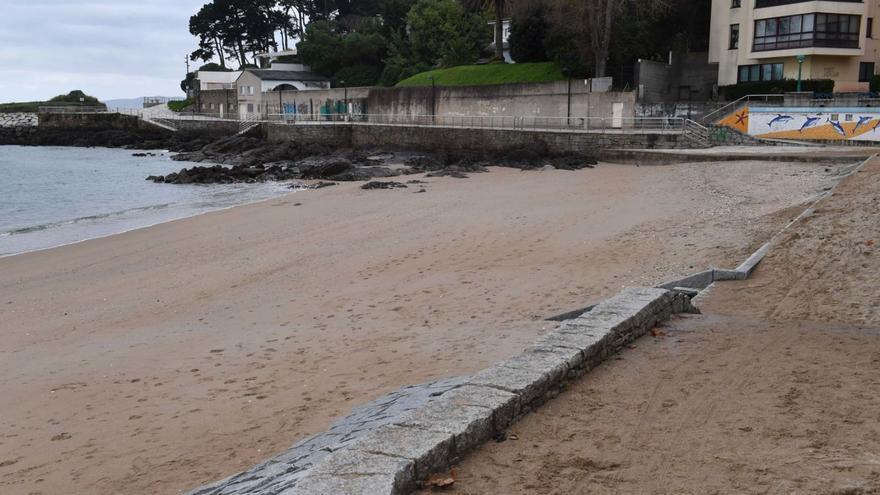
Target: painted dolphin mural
x=875 y=126
x=837 y=127
x=809 y=122
x=780 y=119
x=862 y=120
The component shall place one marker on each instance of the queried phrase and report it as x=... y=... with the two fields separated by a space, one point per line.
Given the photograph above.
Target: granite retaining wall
x=461 y=414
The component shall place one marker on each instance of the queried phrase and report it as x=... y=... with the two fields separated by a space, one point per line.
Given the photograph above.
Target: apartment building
x=762 y=40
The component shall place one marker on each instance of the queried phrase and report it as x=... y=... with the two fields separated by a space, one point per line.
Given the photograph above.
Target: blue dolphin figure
x=862 y=120
x=810 y=122
x=837 y=127
x=779 y=118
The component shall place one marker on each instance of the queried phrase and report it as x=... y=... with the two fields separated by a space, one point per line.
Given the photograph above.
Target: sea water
x=51 y=196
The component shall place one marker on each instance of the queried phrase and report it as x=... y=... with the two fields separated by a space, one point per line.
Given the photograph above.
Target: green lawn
x=475 y=75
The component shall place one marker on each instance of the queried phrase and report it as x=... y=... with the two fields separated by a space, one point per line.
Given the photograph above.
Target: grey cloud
x=109 y=48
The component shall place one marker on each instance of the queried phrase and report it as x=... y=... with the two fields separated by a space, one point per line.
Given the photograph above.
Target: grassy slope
x=24 y=107
x=475 y=75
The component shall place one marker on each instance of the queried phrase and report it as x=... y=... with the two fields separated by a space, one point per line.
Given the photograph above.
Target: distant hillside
x=74 y=98
x=475 y=75
x=133 y=102
x=125 y=103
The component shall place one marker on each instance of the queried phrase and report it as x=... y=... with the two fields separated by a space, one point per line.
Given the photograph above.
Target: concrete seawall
x=453 y=139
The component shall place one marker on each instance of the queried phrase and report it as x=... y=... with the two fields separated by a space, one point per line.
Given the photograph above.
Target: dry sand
x=163 y=358
x=774 y=389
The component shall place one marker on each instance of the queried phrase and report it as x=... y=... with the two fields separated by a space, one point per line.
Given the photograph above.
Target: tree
x=442 y=33
x=235 y=28
x=528 y=32
x=206 y=26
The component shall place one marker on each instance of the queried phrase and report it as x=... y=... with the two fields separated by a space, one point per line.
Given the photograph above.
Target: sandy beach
x=775 y=388
x=163 y=358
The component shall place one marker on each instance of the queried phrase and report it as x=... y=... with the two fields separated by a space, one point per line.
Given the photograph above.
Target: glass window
x=766 y=72
x=804 y=30
x=743 y=73
x=784 y=24
x=808 y=22
x=777 y=72
x=735 y=4
x=734 y=36
x=754 y=73
x=760 y=27
x=869 y=28
x=866 y=71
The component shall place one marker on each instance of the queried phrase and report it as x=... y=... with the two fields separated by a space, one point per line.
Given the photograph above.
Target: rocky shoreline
x=247 y=159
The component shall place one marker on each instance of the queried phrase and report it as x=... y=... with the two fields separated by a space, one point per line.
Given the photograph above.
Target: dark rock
x=423 y=163
x=383 y=185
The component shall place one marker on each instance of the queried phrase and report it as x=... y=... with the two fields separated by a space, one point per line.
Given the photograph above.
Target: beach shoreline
x=174 y=355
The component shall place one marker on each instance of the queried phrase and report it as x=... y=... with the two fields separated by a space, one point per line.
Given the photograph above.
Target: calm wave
x=51 y=196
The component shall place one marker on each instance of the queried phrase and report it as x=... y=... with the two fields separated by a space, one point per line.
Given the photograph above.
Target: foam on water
x=51 y=196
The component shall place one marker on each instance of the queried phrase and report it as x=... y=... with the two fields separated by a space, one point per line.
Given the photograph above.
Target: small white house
x=505 y=39
x=252 y=83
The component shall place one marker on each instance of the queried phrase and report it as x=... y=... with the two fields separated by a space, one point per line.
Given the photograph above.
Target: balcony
x=759 y=4
x=806 y=40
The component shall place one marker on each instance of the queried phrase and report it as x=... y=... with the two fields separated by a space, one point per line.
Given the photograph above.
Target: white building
x=761 y=40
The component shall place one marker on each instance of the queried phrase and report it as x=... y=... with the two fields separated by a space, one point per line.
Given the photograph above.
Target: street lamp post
x=800 y=61
x=345 y=97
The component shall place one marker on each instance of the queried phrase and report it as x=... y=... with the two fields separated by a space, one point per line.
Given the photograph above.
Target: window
x=869 y=28
x=250 y=90
x=760 y=72
x=242 y=90
x=866 y=71
x=735 y=4
x=804 y=30
x=734 y=37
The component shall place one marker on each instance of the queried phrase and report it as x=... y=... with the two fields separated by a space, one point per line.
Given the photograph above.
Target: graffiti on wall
x=808 y=123
x=326 y=108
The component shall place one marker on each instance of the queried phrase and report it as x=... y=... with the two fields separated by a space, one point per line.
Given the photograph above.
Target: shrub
x=736 y=91
x=180 y=105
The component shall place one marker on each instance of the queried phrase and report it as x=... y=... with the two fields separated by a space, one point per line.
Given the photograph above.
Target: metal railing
x=573 y=124
x=71 y=109
x=711 y=117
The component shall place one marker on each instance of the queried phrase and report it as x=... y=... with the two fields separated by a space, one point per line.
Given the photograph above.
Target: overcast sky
x=107 y=48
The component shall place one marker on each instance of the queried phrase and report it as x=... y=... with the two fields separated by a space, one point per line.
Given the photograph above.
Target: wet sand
x=163 y=358
x=774 y=389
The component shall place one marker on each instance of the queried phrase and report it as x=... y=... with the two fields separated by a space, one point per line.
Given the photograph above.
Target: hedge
x=736 y=91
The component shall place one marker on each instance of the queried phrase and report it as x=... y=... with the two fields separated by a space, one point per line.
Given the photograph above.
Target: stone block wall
x=80 y=121
x=217 y=101
x=12 y=120
x=450 y=139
